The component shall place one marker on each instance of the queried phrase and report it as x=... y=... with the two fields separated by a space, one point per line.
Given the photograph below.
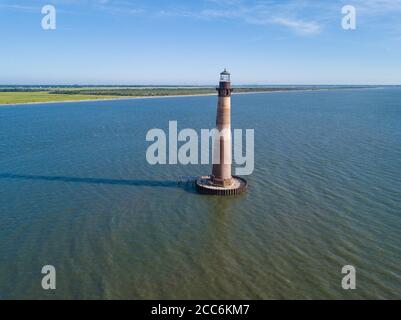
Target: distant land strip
x=37 y=94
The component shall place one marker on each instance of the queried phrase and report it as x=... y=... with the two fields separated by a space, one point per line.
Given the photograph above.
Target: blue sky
x=190 y=42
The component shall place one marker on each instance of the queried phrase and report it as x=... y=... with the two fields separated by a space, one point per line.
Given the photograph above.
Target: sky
x=182 y=42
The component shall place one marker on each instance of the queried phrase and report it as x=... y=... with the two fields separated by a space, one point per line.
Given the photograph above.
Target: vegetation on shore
x=154 y=92
x=27 y=94
x=36 y=97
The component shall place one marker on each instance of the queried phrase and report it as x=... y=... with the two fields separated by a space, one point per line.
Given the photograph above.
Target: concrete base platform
x=204 y=185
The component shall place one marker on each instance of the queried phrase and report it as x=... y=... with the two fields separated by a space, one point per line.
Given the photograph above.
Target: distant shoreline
x=182 y=96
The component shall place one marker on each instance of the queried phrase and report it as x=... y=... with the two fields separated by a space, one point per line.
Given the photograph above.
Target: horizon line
x=189 y=85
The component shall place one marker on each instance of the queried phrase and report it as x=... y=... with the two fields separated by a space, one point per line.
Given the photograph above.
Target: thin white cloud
x=298 y=26
x=378 y=6
x=19 y=7
x=263 y=14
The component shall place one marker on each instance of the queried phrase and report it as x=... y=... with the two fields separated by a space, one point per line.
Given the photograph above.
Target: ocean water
x=76 y=192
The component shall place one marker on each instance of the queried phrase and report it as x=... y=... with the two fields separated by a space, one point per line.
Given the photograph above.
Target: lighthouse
x=221 y=181
x=221 y=173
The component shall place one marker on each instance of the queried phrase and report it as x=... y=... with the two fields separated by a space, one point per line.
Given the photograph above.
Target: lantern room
x=225 y=76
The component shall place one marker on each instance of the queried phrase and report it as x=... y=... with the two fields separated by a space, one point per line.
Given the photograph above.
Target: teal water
x=76 y=192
